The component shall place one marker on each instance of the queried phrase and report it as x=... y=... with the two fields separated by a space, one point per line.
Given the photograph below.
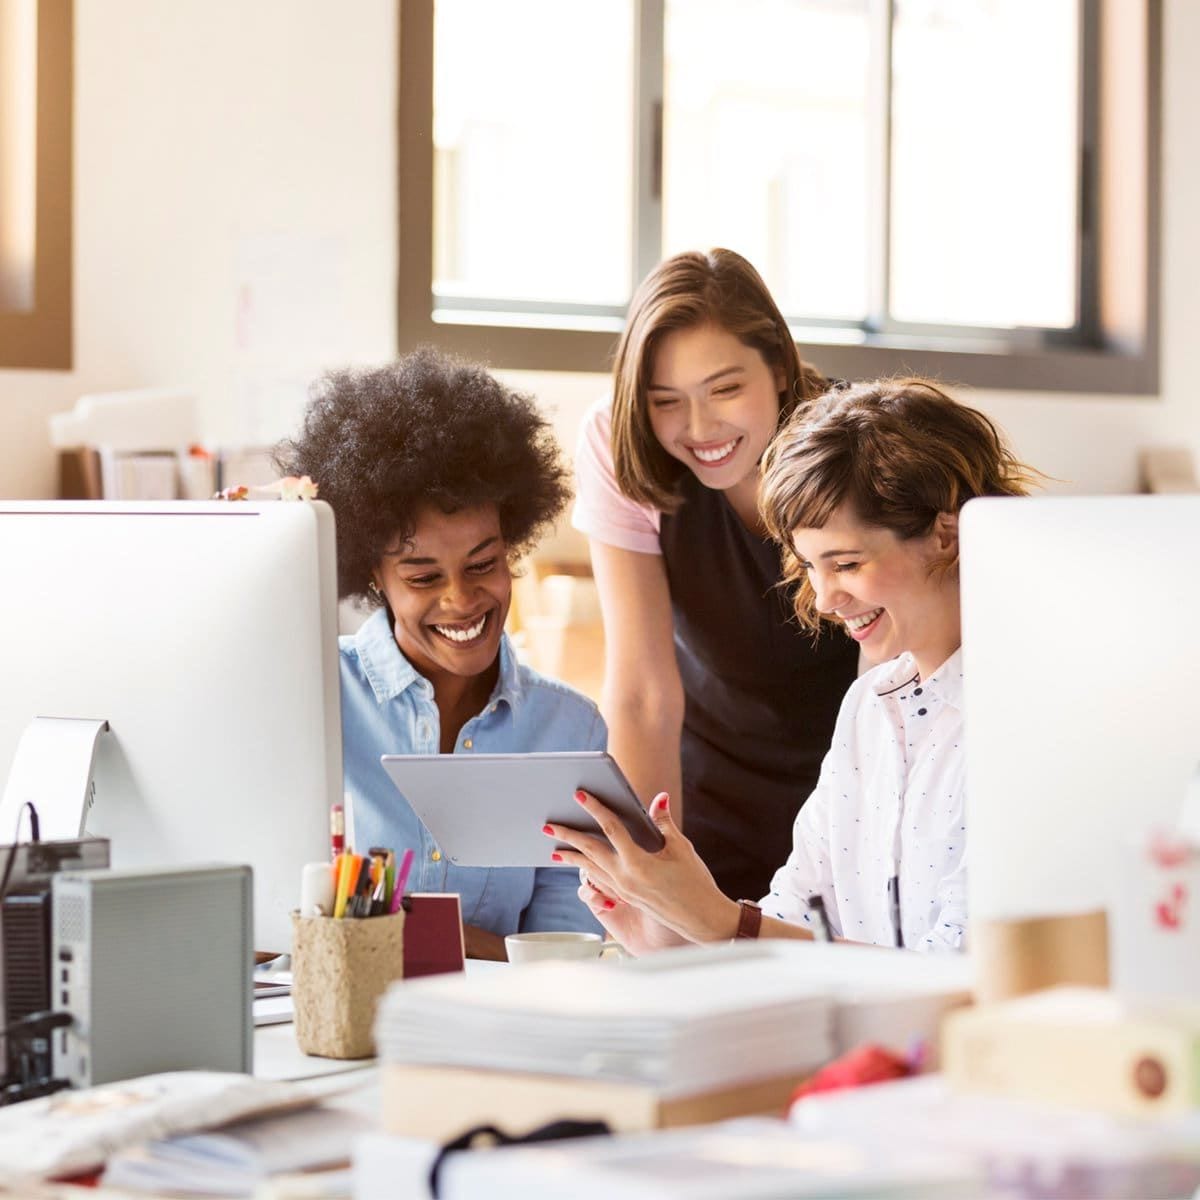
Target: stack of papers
x=233 y=1161
x=682 y=1021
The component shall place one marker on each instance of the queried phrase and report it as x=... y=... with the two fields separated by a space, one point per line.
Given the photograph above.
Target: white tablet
x=487 y=810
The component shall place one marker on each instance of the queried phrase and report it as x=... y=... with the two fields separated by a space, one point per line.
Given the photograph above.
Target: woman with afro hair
x=440 y=478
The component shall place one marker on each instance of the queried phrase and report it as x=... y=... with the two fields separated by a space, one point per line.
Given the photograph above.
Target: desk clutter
x=356 y=932
x=915 y=1139
x=80 y=1131
x=693 y=1034
x=510 y=1048
x=145 y=444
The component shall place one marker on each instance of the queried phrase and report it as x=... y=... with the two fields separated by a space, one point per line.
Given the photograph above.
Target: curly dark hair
x=382 y=443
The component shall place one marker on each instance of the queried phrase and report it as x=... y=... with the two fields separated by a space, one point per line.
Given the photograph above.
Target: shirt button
x=467 y=743
x=424 y=729
x=922 y=711
x=436 y=856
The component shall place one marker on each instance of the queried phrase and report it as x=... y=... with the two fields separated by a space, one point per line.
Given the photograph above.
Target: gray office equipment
x=156 y=968
x=25 y=971
x=487 y=810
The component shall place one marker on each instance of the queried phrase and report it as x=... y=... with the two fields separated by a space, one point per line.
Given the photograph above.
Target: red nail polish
x=581 y=797
x=547 y=830
x=610 y=904
x=556 y=858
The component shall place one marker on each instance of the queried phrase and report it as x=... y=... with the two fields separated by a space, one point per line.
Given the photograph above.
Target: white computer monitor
x=206 y=635
x=1081 y=656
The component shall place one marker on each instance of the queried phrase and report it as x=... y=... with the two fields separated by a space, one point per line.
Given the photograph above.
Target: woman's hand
x=636 y=930
x=672 y=885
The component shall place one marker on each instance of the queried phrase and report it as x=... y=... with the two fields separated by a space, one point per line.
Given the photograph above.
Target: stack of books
x=682 y=1021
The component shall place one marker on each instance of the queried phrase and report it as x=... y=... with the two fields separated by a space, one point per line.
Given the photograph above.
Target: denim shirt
x=388 y=708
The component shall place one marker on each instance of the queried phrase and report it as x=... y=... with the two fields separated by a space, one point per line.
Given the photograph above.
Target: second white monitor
x=1081 y=650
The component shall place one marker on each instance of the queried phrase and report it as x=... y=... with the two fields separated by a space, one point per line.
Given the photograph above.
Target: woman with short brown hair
x=864 y=490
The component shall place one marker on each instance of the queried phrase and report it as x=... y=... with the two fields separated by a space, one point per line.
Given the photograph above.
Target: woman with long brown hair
x=712 y=692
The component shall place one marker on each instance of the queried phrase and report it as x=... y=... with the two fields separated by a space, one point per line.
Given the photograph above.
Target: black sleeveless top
x=761 y=697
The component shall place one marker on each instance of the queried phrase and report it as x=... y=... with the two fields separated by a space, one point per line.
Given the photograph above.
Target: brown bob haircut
x=692 y=289
x=898 y=452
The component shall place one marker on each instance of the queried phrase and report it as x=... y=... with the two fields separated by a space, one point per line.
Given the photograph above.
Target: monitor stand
x=52 y=768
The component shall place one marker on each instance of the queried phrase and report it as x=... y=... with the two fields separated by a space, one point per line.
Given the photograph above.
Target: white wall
x=235 y=213
x=235 y=230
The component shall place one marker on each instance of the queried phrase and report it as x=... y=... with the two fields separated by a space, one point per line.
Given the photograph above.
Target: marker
x=894 y=904
x=825 y=930
x=337 y=831
x=389 y=880
x=343 y=885
x=354 y=872
x=406 y=862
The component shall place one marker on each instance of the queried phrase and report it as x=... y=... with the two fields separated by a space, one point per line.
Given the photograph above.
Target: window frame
x=1113 y=350
x=41 y=337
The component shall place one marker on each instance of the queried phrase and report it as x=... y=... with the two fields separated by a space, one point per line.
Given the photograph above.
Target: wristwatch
x=749 y=919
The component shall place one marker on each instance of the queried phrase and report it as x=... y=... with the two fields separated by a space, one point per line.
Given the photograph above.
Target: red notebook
x=433 y=934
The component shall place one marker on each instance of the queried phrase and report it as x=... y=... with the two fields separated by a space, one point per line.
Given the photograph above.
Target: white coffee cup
x=533 y=947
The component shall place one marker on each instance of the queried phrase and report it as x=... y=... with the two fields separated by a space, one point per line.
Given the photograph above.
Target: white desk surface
x=276 y=1055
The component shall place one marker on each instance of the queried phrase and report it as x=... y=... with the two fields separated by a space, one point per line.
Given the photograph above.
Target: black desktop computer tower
x=27 y=977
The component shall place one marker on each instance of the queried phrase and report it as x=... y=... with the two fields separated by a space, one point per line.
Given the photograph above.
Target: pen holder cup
x=340 y=970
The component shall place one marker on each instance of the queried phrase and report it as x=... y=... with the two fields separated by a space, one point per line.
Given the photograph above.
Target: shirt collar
x=901 y=673
x=945 y=682
x=390 y=673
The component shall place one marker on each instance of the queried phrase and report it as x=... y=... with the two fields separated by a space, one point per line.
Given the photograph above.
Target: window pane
x=18 y=152
x=533 y=133
x=765 y=143
x=984 y=162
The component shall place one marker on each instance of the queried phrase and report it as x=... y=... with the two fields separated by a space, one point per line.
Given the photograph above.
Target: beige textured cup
x=340 y=969
x=534 y=947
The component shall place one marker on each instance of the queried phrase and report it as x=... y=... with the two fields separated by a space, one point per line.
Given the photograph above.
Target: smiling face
x=449 y=587
x=714 y=403
x=884 y=588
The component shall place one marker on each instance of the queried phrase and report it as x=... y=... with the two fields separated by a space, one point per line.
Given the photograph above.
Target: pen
x=360 y=906
x=406 y=862
x=894 y=903
x=824 y=929
x=376 y=903
x=337 y=830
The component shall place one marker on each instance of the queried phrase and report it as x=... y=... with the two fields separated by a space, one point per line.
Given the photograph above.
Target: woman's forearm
x=645 y=742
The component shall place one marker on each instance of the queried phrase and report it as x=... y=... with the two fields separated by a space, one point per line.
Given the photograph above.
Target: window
x=964 y=188
x=35 y=183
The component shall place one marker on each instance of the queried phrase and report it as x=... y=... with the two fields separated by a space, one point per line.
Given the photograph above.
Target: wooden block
x=1084 y=1048
x=442 y=1102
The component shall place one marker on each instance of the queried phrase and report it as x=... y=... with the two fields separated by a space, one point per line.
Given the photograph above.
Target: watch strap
x=749 y=919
